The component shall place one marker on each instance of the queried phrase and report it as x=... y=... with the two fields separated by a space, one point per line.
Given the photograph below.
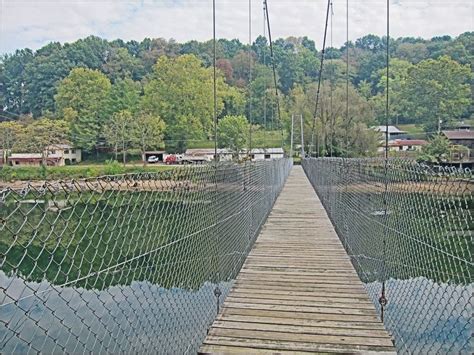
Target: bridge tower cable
x=383 y=299
x=264 y=55
x=217 y=290
x=331 y=92
x=274 y=69
x=347 y=80
x=320 y=77
x=250 y=79
x=214 y=79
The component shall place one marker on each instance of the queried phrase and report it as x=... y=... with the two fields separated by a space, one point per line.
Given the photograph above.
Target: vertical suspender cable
x=214 y=77
x=383 y=299
x=250 y=78
x=332 y=123
x=264 y=54
x=273 y=65
x=217 y=291
x=347 y=79
x=320 y=77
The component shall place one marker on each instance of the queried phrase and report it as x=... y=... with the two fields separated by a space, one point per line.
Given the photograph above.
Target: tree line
x=95 y=92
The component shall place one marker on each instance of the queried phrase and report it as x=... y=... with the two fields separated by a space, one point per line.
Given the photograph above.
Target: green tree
x=39 y=134
x=12 y=79
x=120 y=65
x=398 y=78
x=10 y=132
x=42 y=74
x=335 y=134
x=147 y=132
x=180 y=91
x=86 y=92
x=118 y=132
x=436 y=151
x=184 y=129
x=233 y=132
x=124 y=95
x=90 y=52
x=438 y=91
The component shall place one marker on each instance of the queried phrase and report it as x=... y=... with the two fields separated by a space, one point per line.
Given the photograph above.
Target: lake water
x=138 y=318
x=427 y=317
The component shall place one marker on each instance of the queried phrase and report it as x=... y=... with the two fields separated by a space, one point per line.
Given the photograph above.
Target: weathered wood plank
x=310 y=337
x=278 y=345
x=302 y=322
x=297 y=291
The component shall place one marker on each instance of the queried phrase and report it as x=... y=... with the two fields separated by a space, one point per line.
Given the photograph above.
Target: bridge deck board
x=297 y=291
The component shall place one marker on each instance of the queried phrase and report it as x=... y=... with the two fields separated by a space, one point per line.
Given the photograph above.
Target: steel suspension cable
x=331 y=91
x=217 y=290
x=320 y=75
x=214 y=82
x=264 y=54
x=273 y=67
x=250 y=79
x=347 y=78
x=383 y=299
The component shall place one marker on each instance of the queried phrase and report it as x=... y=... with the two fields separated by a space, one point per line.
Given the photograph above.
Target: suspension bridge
x=201 y=258
x=297 y=290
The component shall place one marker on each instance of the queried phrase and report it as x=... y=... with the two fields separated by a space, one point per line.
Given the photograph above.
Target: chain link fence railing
x=408 y=228
x=130 y=263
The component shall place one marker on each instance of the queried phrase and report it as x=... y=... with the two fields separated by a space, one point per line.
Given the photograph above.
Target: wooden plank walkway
x=298 y=291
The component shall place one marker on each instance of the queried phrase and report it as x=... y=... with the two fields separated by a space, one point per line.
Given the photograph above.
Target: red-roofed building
x=404 y=145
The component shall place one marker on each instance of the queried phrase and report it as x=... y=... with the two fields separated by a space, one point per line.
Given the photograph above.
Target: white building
x=53 y=155
x=67 y=153
x=264 y=153
x=404 y=145
x=227 y=155
x=208 y=154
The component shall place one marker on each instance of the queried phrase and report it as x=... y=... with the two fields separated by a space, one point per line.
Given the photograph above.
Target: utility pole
x=302 y=138
x=291 y=138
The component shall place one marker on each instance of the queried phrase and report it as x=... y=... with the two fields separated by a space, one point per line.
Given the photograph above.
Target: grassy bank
x=74 y=171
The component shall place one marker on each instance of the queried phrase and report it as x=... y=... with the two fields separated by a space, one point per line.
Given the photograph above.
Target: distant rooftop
x=391 y=129
x=459 y=134
x=407 y=142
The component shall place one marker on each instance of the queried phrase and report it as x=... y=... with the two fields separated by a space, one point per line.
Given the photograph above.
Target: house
x=264 y=153
x=404 y=145
x=33 y=159
x=462 y=126
x=53 y=155
x=69 y=155
x=228 y=155
x=461 y=137
x=393 y=132
x=208 y=154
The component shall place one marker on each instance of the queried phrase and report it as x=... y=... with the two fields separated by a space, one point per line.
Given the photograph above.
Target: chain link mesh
x=410 y=229
x=129 y=263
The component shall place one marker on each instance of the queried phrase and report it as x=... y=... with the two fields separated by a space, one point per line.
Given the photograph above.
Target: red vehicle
x=173 y=159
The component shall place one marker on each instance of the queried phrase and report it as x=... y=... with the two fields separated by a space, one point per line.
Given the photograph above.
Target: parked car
x=153 y=159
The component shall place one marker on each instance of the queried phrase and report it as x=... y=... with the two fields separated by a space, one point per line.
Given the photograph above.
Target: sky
x=34 y=23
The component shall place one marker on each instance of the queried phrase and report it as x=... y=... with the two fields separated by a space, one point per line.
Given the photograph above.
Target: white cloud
x=30 y=23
